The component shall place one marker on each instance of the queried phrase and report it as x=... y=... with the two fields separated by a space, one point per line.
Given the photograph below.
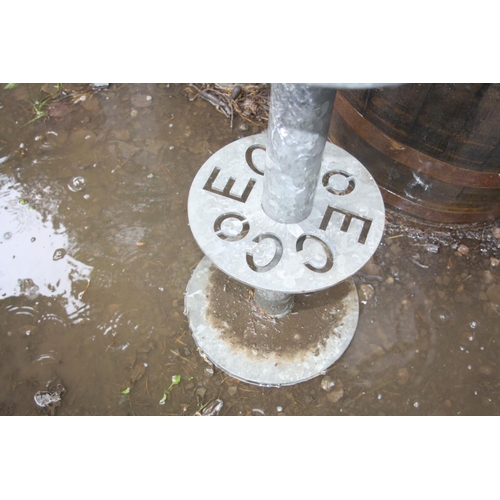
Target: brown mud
x=312 y=320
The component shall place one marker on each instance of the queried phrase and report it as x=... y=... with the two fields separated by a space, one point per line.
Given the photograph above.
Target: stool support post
x=299 y=118
x=275 y=304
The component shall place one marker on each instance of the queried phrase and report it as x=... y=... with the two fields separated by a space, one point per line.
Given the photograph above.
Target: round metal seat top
x=229 y=224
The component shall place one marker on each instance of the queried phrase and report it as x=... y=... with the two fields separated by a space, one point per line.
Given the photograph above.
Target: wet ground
x=96 y=254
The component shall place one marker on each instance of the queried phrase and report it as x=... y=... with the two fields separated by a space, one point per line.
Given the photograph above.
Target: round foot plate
x=250 y=346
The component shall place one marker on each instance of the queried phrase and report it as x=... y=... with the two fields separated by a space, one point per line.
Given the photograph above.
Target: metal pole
x=275 y=304
x=299 y=118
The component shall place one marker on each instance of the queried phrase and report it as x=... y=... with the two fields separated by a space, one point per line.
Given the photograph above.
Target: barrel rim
x=410 y=157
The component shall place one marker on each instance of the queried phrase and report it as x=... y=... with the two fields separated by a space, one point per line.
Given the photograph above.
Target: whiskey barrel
x=434 y=149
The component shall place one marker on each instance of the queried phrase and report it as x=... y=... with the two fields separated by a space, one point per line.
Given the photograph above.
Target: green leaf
x=11 y=86
x=176 y=379
x=22 y=201
x=164 y=398
x=126 y=391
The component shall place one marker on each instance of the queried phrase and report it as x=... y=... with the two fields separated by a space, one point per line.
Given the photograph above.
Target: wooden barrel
x=434 y=149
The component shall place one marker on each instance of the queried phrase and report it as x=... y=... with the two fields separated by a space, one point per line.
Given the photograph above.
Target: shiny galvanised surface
x=246 y=360
x=305 y=221
x=229 y=224
x=299 y=117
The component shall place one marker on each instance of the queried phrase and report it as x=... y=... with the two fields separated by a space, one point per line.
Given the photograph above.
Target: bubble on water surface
x=76 y=184
x=441 y=315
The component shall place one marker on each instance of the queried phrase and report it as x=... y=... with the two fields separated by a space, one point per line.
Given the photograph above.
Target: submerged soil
x=96 y=253
x=312 y=320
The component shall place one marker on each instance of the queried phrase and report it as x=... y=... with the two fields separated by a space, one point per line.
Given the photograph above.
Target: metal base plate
x=277 y=367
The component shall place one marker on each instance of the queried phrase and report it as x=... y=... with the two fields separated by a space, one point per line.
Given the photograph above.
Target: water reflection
x=34 y=254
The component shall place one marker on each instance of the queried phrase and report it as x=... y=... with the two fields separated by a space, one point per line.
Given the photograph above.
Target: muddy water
x=96 y=253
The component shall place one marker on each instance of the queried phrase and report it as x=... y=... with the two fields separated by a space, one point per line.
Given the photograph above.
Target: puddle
x=96 y=254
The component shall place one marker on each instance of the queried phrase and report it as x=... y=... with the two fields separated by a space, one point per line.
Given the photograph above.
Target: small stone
x=371 y=268
x=462 y=249
x=90 y=104
x=366 y=293
x=59 y=109
x=493 y=294
x=485 y=370
x=201 y=392
x=121 y=134
x=141 y=101
x=335 y=395
x=486 y=277
x=327 y=384
x=402 y=376
x=496 y=232
x=209 y=371
x=99 y=86
x=432 y=248
x=494 y=262
x=395 y=249
x=232 y=390
x=491 y=308
x=394 y=271
x=133 y=112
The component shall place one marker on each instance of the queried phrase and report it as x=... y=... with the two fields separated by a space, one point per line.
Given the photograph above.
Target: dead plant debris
x=250 y=101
